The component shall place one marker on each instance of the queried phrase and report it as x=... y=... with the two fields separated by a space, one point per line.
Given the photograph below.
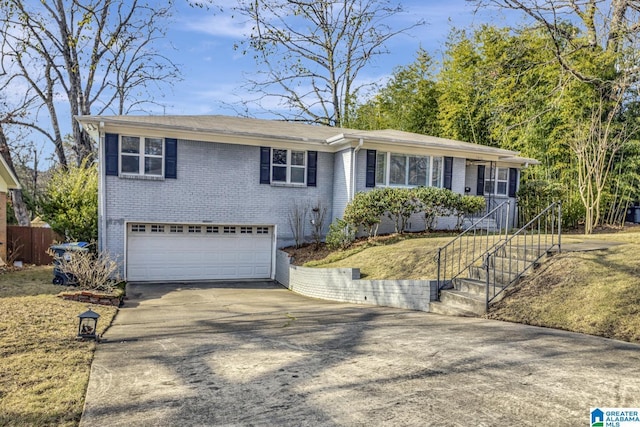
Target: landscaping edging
x=92 y=298
x=345 y=285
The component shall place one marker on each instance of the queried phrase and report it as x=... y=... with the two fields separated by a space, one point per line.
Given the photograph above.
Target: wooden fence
x=30 y=244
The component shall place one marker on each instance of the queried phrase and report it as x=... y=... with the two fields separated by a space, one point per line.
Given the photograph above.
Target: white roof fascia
x=229 y=130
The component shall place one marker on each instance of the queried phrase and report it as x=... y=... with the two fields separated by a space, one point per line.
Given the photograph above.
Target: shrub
x=400 y=204
x=366 y=210
x=90 y=271
x=435 y=202
x=70 y=203
x=467 y=205
x=318 y=215
x=341 y=235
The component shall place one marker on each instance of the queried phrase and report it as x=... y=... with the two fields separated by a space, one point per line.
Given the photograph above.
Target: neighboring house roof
x=239 y=130
x=8 y=180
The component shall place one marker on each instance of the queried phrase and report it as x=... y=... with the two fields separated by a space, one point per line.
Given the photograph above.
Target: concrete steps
x=467 y=297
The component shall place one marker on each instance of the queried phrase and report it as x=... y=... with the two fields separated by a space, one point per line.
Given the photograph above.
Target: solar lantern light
x=88 y=324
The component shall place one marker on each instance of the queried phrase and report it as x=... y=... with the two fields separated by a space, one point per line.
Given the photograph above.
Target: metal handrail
x=530 y=243
x=471 y=245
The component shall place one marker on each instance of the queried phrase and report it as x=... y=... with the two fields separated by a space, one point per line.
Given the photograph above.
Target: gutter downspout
x=354 y=162
x=102 y=236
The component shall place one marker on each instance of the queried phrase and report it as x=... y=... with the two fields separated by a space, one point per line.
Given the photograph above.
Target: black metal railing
x=509 y=260
x=472 y=244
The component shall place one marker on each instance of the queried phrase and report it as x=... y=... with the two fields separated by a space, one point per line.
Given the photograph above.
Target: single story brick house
x=209 y=197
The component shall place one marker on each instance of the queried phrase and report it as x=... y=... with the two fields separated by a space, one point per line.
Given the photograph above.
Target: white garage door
x=170 y=252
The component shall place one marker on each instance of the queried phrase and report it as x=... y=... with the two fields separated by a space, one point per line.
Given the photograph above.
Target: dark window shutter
x=480 y=184
x=513 y=182
x=171 y=158
x=371 y=168
x=265 y=165
x=448 y=172
x=312 y=168
x=111 y=154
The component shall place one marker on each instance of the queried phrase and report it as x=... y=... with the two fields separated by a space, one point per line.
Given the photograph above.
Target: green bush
x=466 y=205
x=70 y=203
x=366 y=210
x=400 y=204
x=435 y=202
x=341 y=235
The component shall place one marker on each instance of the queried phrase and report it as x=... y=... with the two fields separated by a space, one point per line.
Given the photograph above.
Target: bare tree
x=19 y=206
x=595 y=146
x=90 y=54
x=310 y=52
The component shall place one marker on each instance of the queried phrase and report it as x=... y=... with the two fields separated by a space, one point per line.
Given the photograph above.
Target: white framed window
x=262 y=230
x=194 y=229
x=141 y=156
x=212 y=229
x=246 y=230
x=157 y=228
x=288 y=166
x=496 y=181
x=228 y=230
x=176 y=229
x=405 y=170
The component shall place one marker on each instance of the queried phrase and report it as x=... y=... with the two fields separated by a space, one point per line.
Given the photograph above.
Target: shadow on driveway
x=253 y=353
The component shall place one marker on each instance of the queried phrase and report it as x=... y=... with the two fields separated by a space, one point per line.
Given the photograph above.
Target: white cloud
x=218 y=25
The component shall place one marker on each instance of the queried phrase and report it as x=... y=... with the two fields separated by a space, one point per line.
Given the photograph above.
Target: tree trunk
x=19 y=206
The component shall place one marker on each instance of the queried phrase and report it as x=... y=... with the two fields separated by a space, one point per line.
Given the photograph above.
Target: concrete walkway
x=256 y=354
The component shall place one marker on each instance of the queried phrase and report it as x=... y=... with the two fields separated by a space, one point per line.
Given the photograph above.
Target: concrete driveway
x=253 y=353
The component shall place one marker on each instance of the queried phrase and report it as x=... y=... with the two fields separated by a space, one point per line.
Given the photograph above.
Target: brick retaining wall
x=345 y=285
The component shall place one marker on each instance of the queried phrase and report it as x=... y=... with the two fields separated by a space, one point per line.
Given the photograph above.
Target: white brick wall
x=342 y=182
x=345 y=285
x=217 y=183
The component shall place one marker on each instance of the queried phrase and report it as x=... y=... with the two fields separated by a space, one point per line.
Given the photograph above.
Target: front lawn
x=44 y=371
x=596 y=292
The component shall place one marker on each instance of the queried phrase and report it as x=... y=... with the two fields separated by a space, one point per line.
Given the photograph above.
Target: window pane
x=436 y=174
x=130 y=164
x=381 y=168
x=153 y=166
x=297 y=175
x=418 y=167
x=502 y=188
x=279 y=173
x=153 y=146
x=502 y=174
x=398 y=172
x=488 y=187
x=297 y=158
x=130 y=144
x=279 y=157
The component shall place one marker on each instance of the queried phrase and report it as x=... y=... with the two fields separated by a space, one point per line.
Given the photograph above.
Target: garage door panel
x=198 y=256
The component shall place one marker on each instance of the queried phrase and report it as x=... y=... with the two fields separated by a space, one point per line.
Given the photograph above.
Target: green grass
x=44 y=371
x=402 y=257
x=595 y=292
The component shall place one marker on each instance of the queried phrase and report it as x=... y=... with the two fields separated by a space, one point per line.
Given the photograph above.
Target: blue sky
x=213 y=71
x=201 y=42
